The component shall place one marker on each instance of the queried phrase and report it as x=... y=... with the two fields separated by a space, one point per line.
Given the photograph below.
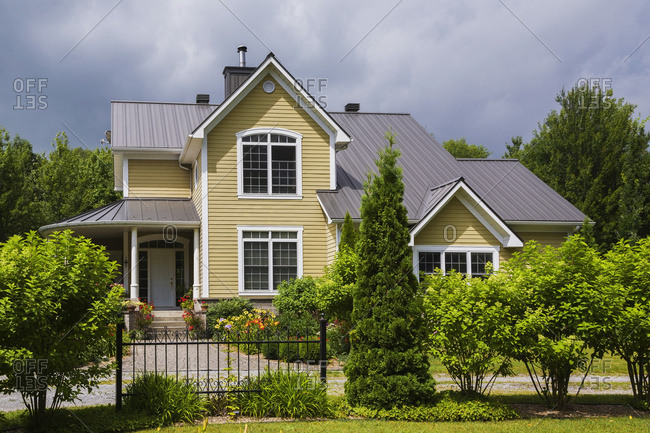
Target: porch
x=155 y=241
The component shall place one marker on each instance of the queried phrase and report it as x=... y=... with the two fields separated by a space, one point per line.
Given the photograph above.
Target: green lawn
x=541 y=425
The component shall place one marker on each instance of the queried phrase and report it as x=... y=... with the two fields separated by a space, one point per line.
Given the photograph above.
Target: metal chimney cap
x=242 y=48
x=352 y=107
x=202 y=98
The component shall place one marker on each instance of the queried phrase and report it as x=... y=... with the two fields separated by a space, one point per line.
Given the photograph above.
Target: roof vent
x=352 y=107
x=202 y=98
x=242 y=55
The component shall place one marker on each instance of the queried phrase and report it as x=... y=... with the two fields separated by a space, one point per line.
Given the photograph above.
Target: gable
x=468 y=229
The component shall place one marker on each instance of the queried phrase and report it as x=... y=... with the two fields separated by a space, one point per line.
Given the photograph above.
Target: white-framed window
x=268 y=255
x=468 y=260
x=269 y=163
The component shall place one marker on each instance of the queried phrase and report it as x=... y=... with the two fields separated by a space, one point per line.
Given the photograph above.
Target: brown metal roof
x=155 y=125
x=134 y=211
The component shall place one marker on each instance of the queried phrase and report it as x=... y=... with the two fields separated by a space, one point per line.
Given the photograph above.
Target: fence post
x=323 y=348
x=118 y=369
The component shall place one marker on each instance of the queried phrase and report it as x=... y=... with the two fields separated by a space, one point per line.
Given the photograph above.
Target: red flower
x=191 y=327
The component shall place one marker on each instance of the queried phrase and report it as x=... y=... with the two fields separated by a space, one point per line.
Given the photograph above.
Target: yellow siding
x=469 y=230
x=331 y=242
x=544 y=238
x=226 y=211
x=158 y=178
x=197 y=200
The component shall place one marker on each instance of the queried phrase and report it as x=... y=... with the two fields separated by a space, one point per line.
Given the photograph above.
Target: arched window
x=269 y=163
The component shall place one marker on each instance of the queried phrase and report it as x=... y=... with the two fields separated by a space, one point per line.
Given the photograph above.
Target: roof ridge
x=488 y=159
x=163 y=103
x=373 y=113
x=458 y=179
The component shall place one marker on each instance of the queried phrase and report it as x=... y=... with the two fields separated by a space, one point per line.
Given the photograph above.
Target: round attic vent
x=268 y=86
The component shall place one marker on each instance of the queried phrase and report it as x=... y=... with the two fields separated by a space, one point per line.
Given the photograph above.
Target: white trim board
x=499 y=228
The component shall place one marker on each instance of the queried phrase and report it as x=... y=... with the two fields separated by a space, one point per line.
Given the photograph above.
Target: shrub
x=298 y=297
x=558 y=311
x=449 y=407
x=193 y=322
x=168 y=399
x=388 y=364
x=225 y=309
x=290 y=325
x=470 y=318
x=56 y=296
x=299 y=350
x=286 y=394
x=626 y=276
x=338 y=338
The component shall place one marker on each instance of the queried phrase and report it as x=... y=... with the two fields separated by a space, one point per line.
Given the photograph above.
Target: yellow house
x=231 y=199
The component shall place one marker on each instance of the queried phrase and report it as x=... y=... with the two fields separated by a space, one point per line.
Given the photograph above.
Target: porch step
x=172 y=319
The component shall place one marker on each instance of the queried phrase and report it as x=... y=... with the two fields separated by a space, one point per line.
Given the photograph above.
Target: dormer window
x=269 y=164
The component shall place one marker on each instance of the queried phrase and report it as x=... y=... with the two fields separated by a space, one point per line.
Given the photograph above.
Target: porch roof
x=134 y=212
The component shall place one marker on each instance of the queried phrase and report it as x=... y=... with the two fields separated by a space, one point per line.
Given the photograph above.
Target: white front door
x=162 y=284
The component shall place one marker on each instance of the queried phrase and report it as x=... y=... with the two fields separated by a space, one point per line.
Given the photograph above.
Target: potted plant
x=204 y=306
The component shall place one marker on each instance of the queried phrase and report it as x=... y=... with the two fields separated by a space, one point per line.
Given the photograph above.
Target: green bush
x=470 y=318
x=226 y=308
x=297 y=326
x=449 y=406
x=298 y=297
x=271 y=348
x=286 y=394
x=168 y=399
x=338 y=338
x=299 y=350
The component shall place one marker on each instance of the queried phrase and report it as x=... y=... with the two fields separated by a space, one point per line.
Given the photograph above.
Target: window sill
x=270 y=197
x=258 y=293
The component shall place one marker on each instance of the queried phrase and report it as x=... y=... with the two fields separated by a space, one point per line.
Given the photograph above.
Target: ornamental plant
x=55 y=298
x=626 y=277
x=251 y=325
x=470 y=318
x=144 y=316
x=559 y=311
x=388 y=364
x=194 y=323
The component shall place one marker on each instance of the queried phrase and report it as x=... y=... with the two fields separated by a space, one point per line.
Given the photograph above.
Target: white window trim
x=442 y=249
x=240 y=264
x=240 y=165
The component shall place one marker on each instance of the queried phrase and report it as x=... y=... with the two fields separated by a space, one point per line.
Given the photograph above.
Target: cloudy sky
x=483 y=69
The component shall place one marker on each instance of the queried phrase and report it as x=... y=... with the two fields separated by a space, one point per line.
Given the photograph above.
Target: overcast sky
x=483 y=69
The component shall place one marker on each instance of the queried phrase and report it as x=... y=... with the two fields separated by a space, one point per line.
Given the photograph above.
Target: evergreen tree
x=388 y=365
x=348 y=233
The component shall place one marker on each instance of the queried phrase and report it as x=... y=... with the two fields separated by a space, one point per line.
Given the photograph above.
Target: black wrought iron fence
x=217 y=363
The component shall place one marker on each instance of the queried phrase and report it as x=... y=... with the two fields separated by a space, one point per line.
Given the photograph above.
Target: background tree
x=19 y=165
x=460 y=148
x=388 y=364
x=514 y=149
x=595 y=154
x=349 y=234
x=36 y=190
x=56 y=296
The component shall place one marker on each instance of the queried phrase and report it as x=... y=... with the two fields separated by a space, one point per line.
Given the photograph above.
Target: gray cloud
x=461 y=68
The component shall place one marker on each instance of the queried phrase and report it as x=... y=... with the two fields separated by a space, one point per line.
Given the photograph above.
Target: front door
x=161 y=276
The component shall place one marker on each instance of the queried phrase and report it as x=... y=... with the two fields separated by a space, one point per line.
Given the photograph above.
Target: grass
x=592 y=425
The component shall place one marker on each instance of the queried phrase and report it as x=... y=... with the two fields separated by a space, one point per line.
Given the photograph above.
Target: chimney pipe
x=242 y=55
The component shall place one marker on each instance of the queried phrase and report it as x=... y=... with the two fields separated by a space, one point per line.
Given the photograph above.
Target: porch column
x=125 y=260
x=135 y=291
x=196 y=288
